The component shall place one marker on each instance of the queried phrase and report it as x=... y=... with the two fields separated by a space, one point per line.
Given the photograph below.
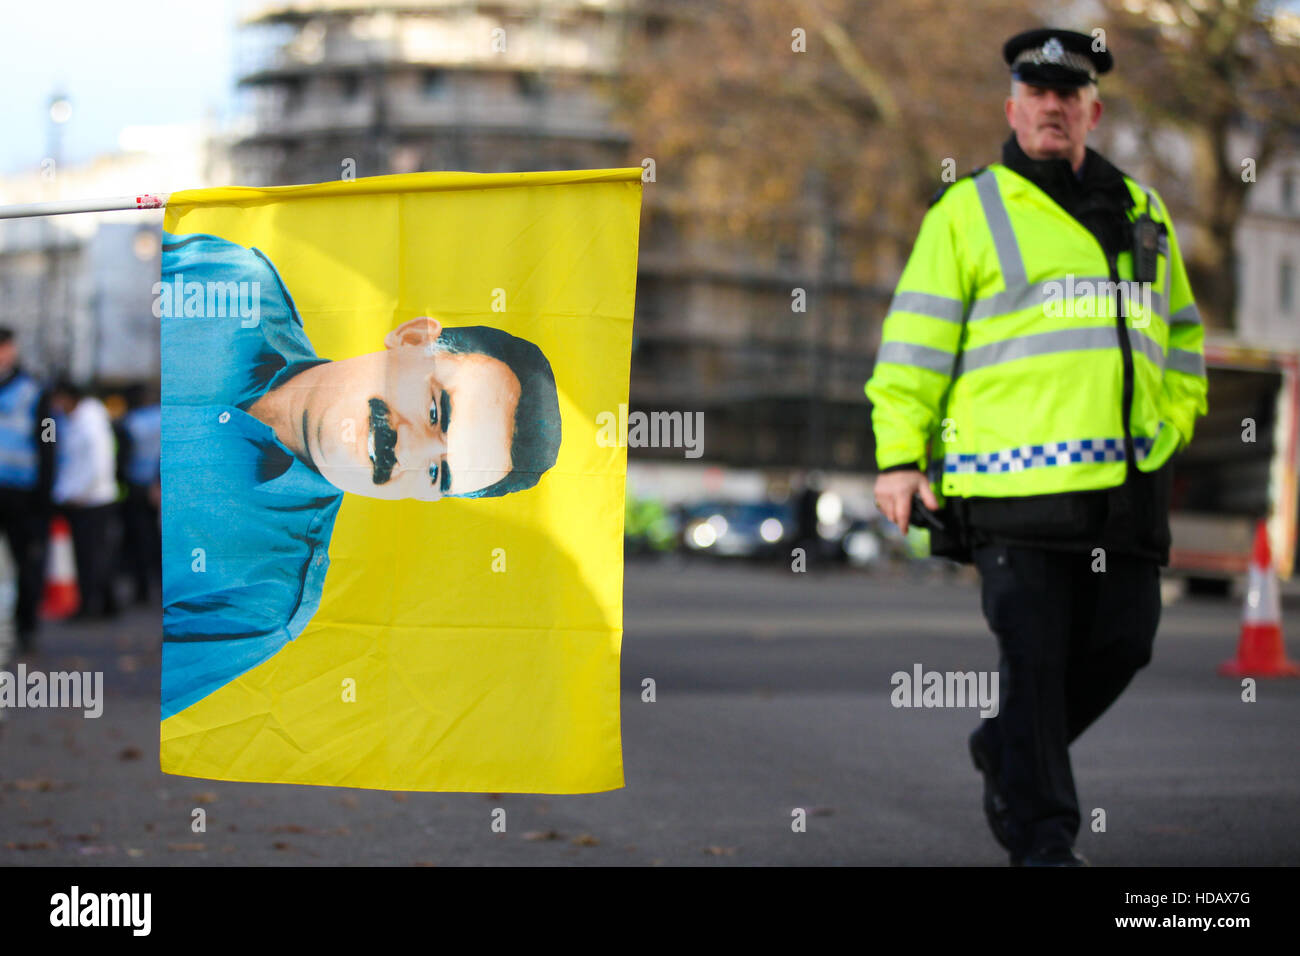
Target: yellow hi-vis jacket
x=1001 y=352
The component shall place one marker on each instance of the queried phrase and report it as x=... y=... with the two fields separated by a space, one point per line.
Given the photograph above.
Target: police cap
x=1050 y=57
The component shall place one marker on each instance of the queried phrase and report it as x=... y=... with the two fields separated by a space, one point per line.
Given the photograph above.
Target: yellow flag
x=392 y=523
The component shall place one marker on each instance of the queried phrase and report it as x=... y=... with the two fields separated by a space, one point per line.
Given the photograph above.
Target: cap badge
x=1053 y=52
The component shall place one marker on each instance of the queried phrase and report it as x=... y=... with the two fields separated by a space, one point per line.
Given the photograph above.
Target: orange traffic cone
x=62 y=599
x=1260 y=652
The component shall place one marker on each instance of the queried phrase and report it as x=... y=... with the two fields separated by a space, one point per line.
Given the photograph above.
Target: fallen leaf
x=537 y=835
x=585 y=839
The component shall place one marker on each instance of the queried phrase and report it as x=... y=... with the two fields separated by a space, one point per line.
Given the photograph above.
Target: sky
x=121 y=62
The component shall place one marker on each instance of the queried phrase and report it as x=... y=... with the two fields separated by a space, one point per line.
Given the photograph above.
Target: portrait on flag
x=273 y=414
x=391 y=542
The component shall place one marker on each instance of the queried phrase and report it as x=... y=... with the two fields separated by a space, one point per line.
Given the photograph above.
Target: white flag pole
x=27 y=210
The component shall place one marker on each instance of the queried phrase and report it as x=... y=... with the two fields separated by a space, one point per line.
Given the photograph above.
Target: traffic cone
x=1260 y=652
x=62 y=598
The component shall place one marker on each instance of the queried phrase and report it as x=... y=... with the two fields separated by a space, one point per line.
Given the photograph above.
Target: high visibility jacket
x=19 y=423
x=1001 y=356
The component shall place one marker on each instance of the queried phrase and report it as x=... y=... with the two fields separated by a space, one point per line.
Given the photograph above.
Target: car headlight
x=771 y=530
x=703 y=535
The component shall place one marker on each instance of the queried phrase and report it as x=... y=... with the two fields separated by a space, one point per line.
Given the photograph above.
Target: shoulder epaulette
x=938 y=193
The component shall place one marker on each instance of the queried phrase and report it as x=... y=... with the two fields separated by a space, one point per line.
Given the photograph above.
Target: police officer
x=26 y=479
x=1040 y=363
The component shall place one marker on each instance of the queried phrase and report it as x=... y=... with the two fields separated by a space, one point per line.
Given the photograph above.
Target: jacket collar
x=1056 y=178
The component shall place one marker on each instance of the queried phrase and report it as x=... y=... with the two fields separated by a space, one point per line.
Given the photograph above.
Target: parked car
x=730 y=529
x=873 y=542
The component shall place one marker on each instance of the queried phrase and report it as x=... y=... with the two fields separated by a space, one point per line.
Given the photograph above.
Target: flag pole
x=64 y=207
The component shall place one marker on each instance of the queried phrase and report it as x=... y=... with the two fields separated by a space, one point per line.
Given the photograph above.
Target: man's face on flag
x=412 y=421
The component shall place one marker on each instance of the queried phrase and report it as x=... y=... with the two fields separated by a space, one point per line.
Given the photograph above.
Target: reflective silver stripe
x=1159 y=305
x=1147 y=346
x=18 y=458
x=933 y=306
x=1181 y=360
x=1004 y=238
x=1042 y=343
x=1019 y=298
x=922 y=356
x=1187 y=315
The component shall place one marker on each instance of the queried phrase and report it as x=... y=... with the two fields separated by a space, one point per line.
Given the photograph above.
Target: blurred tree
x=1224 y=76
x=755 y=138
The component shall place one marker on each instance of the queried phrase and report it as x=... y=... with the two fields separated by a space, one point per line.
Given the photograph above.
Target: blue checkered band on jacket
x=19 y=459
x=1073 y=452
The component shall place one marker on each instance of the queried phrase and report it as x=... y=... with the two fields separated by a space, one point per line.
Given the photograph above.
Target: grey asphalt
x=773 y=693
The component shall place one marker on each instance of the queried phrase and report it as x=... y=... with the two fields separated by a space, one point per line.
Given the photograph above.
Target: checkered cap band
x=1042 y=56
x=1073 y=452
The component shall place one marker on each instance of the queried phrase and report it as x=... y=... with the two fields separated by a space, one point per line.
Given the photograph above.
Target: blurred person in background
x=139 y=445
x=27 y=462
x=809 y=537
x=85 y=491
x=8 y=597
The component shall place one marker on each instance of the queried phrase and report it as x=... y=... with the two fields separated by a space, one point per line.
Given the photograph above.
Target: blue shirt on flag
x=246 y=524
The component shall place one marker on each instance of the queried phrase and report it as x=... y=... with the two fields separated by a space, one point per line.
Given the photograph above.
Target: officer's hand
x=894 y=492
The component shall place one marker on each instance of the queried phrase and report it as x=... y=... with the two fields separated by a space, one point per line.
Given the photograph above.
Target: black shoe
x=996 y=810
x=1053 y=856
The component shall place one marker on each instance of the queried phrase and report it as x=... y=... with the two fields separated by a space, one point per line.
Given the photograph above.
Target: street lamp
x=60 y=111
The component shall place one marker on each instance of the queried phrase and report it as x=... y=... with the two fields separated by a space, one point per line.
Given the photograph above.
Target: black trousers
x=26 y=527
x=95 y=545
x=1070 y=639
x=141 y=540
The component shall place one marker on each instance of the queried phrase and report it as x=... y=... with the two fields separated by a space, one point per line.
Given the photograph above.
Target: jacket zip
x=1125 y=346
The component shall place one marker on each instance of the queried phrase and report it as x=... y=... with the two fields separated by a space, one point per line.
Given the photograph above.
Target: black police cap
x=1050 y=57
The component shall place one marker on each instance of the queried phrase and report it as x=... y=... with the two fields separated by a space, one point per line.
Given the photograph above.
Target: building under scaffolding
x=338 y=88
